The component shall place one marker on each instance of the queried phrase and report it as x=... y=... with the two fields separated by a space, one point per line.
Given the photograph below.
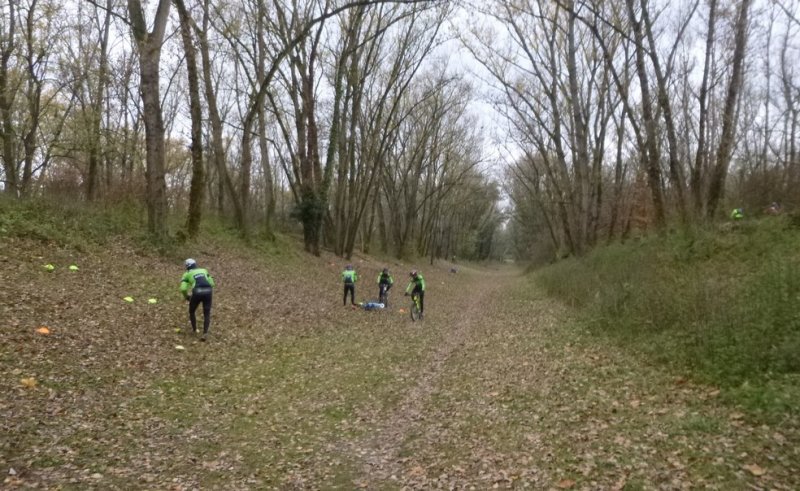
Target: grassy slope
x=723 y=308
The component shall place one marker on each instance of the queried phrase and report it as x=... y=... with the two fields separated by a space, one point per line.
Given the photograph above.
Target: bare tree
x=149 y=44
x=726 y=142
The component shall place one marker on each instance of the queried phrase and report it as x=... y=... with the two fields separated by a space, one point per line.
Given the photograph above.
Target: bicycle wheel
x=383 y=297
x=414 y=310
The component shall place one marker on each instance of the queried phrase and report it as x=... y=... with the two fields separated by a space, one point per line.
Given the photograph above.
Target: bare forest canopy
x=365 y=124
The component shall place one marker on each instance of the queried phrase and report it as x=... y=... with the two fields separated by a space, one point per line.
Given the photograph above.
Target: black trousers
x=349 y=287
x=196 y=299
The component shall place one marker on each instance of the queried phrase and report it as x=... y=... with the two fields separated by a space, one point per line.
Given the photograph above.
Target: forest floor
x=495 y=389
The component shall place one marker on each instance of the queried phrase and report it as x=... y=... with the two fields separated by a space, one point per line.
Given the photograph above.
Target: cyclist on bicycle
x=197 y=287
x=349 y=278
x=416 y=286
x=385 y=282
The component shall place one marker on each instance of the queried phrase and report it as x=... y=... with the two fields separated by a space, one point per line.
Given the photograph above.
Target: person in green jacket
x=417 y=286
x=385 y=282
x=349 y=278
x=197 y=286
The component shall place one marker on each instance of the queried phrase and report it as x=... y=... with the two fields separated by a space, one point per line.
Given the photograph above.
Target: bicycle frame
x=415 y=307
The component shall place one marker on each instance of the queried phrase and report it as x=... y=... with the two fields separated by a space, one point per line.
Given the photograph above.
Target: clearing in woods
x=495 y=389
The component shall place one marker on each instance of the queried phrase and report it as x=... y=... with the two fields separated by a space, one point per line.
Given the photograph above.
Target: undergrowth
x=722 y=306
x=70 y=223
x=81 y=226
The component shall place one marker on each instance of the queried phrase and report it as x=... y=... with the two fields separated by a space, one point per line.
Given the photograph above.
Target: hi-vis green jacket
x=419 y=281
x=388 y=279
x=349 y=276
x=197 y=277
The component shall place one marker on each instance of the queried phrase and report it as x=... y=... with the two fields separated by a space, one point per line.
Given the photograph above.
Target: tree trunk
x=217 y=140
x=149 y=46
x=7 y=126
x=650 y=154
x=727 y=138
x=197 y=186
x=701 y=157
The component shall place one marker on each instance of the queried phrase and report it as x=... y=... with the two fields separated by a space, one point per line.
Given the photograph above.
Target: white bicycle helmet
x=190 y=263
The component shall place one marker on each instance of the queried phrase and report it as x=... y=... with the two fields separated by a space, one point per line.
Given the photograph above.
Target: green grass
x=81 y=226
x=723 y=306
x=70 y=223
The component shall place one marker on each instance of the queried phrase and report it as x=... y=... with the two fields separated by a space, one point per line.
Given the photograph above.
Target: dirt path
x=456 y=320
x=513 y=396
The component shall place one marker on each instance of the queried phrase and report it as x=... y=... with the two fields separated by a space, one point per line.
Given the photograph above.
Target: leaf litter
x=494 y=390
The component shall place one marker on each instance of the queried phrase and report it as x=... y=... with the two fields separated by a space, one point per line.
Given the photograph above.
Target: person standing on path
x=417 y=287
x=197 y=286
x=349 y=278
x=385 y=282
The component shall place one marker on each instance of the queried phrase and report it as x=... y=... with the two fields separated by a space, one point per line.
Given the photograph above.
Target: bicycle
x=415 y=310
x=383 y=294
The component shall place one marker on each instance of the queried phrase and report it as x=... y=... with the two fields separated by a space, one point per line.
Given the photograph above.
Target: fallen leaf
x=565 y=484
x=29 y=382
x=754 y=469
x=43 y=330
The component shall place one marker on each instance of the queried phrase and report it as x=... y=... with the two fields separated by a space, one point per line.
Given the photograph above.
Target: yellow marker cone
x=49 y=267
x=73 y=268
x=152 y=300
x=179 y=347
x=128 y=299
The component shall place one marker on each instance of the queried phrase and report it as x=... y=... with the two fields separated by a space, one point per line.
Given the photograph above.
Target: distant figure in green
x=416 y=286
x=737 y=214
x=197 y=286
x=349 y=278
x=385 y=282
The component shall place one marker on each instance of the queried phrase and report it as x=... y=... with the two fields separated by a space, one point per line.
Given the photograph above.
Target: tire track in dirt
x=378 y=453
